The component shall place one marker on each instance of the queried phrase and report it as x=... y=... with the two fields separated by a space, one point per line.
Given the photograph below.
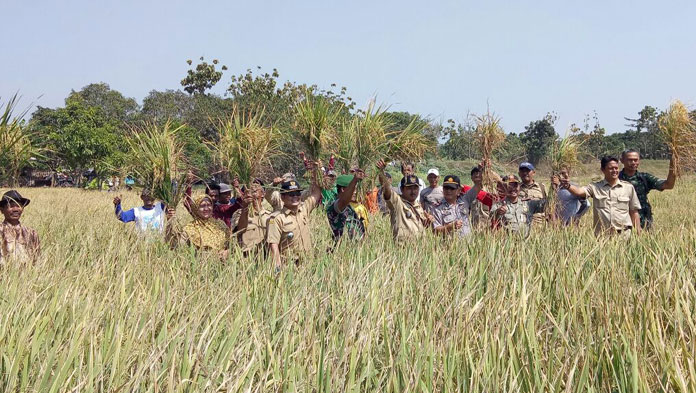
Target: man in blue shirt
x=148 y=218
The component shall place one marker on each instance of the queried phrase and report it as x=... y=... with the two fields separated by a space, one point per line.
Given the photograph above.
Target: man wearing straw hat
x=408 y=219
x=513 y=213
x=615 y=204
x=644 y=182
x=18 y=242
x=288 y=236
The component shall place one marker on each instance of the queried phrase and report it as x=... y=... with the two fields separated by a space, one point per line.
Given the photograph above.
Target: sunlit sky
x=442 y=59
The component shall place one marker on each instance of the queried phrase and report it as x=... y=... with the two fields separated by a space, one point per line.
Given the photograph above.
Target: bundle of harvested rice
x=678 y=129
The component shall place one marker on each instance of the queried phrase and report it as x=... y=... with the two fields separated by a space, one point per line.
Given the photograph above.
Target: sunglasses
x=293 y=193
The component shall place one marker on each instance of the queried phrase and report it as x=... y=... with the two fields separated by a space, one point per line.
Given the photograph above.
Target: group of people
x=274 y=220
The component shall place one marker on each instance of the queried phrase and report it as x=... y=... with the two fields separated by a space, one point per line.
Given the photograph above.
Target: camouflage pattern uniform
x=643 y=183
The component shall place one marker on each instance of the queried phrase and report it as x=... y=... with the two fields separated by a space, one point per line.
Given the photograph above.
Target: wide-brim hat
x=13 y=196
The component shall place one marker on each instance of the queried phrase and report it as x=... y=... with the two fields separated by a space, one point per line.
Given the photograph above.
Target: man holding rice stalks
x=644 y=182
x=513 y=213
x=530 y=190
x=345 y=214
x=408 y=170
x=452 y=215
x=614 y=201
x=251 y=221
x=569 y=208
x=18 y=242
x=288 y=236
x=148 y=218
x=481 y=206
x=408 y=219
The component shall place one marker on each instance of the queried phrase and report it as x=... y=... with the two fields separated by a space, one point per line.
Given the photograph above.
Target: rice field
x=105 y=311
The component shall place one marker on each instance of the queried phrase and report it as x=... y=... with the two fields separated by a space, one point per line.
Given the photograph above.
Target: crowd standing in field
x=220 y=221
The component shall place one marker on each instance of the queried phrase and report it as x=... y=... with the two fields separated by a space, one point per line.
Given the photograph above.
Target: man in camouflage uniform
x=530 y=190
x=345 y=215
x=513 y=213
x=643 y=183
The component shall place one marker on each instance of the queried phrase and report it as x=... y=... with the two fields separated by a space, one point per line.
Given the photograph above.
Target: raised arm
x=671 y=177
x=384 y=181
x=347 y=194
x=575 y=190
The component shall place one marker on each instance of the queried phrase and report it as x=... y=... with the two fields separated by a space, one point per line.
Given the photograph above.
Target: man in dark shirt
x=644 y=182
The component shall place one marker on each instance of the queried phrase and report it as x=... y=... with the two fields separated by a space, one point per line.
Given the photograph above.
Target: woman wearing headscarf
x=205 y=233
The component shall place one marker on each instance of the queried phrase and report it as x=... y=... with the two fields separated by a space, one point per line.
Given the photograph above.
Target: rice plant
x=246 y=146
x=678 y=130
x=489 y=136
x=156 y=159
x=316 y=119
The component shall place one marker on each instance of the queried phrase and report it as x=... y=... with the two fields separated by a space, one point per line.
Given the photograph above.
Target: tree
x=79 y=136
x=538 y=137
x=647 y=137
x=111 y=102
x=202 y=78
x=167 y=105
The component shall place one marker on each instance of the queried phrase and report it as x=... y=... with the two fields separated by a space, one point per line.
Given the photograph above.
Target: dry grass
x=489 y=136
x=679 y=133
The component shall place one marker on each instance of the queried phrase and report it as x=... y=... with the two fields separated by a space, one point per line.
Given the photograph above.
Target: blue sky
x=442 y=59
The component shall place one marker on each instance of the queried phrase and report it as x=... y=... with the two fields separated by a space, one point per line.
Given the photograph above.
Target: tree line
x=90 y=130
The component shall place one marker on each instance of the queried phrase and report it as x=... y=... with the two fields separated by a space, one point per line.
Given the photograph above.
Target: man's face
x=410 y=193
x=258 y=192
x=224 y=197
x=631 y=161
x=611 y=171
x=451 y=193
x=512 y=190
x=291 y=199
x=148 y=201
x=564 y=174
x=12 y=211
x=407 y=170
x=213 y=194
x=433 y=179
x=526 y=175
x=476 y=177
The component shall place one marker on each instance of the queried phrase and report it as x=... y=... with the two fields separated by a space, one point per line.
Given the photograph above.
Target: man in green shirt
x=643 y=183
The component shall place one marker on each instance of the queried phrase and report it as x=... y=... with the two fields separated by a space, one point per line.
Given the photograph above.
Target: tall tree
x=203 y=77
x=538 y=137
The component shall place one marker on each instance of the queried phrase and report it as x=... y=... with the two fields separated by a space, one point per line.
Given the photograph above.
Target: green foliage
x=538 y=137
x=17 y=146
x=202 y=78
x=111 y=102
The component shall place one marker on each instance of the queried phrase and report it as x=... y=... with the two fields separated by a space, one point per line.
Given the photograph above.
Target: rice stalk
x=315 y=121
x=246 y=146
x=678 y=130
x=489 y=136
x=563 y=154
x=410 y=144
x=156 y=159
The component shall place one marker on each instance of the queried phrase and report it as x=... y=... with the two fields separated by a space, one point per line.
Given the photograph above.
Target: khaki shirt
x=255 y=233
x=290 y=231
x=407 y=220
x=534 y=192
x=611 y=205
x=518 y=215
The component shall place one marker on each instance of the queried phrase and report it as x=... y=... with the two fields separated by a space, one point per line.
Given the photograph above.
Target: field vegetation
x=105 y=311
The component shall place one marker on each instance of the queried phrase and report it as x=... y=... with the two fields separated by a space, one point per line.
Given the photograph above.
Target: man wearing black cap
x=514 y=214
x=17 y=242
x=452 y=214
x=530 y=190
x=288 y=235
x=408 y=219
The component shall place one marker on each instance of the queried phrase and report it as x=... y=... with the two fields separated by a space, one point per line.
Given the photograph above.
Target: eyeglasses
x=293 y=193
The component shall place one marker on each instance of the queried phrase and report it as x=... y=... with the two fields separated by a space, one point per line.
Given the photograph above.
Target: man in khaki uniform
x=288 y=235
x=615 y=204
x=251 y=221
x=408 y=219
x=512 y=213
x=530 y=190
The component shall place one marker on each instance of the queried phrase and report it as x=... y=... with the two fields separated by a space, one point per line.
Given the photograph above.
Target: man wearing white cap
x=431 y=196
